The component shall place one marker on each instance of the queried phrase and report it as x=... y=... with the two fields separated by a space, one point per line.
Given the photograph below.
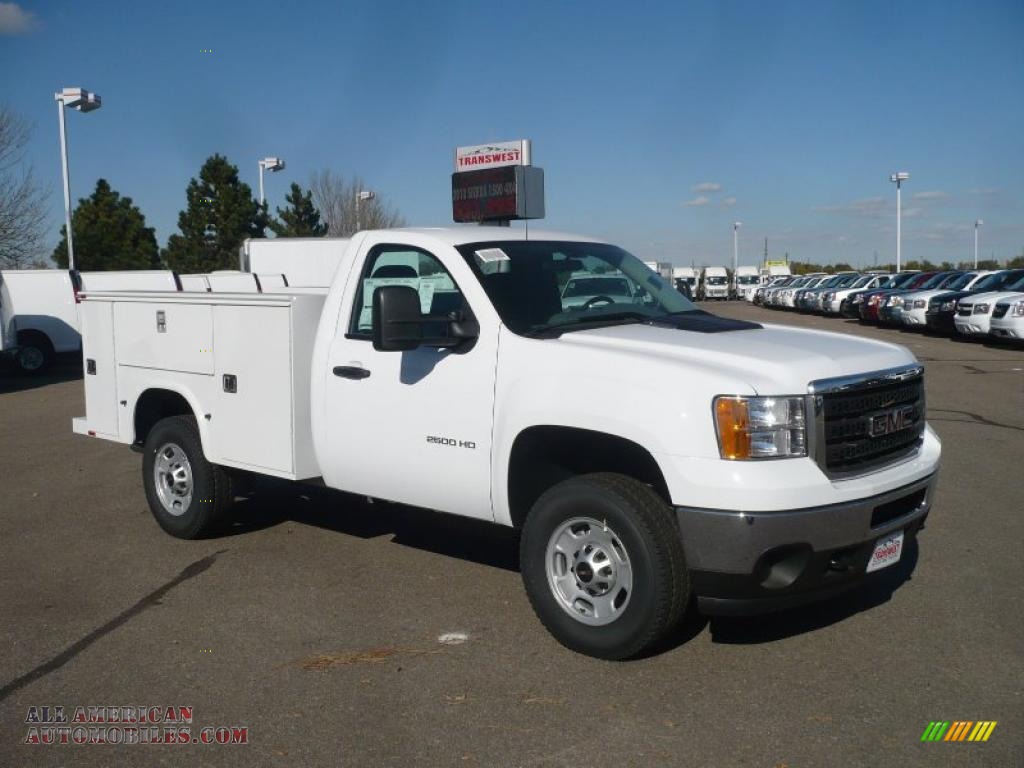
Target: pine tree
x=110 y=233
x=300 y=218
x=221 y=213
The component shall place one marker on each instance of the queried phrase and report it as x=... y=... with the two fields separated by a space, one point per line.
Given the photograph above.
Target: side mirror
x=400 y=326
x=397 y=320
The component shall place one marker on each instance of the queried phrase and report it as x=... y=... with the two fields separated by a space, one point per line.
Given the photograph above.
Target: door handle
x=351 y=372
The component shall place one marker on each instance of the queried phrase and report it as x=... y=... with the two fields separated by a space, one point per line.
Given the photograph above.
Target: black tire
x=647 y=530
x=211 y=485
x=35 y=354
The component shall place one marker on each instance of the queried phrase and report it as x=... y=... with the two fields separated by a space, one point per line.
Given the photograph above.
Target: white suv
x=974 y=313
x=1008 y=318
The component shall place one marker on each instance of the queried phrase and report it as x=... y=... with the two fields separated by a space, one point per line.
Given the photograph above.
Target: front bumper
x=974 y=325
x=745 y=563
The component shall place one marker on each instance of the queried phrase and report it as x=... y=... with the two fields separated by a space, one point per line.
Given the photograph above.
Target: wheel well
x=545 y=455
x=156 y=404
x=34 y=336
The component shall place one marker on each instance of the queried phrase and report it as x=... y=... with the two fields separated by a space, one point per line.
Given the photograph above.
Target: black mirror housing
x=397 y=319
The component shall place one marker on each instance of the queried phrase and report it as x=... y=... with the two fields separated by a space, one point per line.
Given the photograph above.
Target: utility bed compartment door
x=170 y=337
x=97 y=318
x=253 y=424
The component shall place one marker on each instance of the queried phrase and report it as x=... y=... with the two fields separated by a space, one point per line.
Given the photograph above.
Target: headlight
x=760 y=427
x=874 y=300
x=828 y=297
x=948 y=306
x=920 y=303
x=981 y=309
x=895 y=301
x=858 y=299
x=1018 y=309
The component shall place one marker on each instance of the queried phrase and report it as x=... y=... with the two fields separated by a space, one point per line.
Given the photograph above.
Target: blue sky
x=657 y=124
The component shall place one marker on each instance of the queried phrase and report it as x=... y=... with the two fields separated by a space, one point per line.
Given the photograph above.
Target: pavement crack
x=972 y=418
x=188 y=572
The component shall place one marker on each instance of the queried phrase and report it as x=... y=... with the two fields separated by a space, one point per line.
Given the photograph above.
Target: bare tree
x=335 y=197
x=22 y=201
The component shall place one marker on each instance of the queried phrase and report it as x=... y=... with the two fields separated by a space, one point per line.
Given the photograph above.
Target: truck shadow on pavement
x=64 y=368
x=270 y=503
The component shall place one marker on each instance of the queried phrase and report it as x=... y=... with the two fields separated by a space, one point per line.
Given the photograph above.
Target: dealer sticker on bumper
x=887 y=551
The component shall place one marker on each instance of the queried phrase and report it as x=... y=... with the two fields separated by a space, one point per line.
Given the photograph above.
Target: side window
x=402 y=265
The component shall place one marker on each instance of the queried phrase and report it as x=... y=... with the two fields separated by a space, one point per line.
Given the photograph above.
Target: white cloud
x=699 y=200
x=729 y=202
x=15 y=20
x=707 y=186
x=871 y=207
x=933 y=194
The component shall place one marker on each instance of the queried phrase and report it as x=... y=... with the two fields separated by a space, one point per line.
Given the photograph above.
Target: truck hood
x=773 y=360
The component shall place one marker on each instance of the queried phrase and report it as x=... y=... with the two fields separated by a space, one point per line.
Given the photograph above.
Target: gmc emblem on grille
x=891 y=421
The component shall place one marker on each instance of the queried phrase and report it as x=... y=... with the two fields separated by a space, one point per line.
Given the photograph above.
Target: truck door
x=412 y=427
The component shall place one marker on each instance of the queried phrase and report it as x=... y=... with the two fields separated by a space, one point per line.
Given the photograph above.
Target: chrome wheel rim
x=31 y=358
x=172 y=478
x=589 y=571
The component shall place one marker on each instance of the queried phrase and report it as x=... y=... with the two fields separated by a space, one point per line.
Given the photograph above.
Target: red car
x=873 y=299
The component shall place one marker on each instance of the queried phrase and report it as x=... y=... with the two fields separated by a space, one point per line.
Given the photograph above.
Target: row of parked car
x=976 y=303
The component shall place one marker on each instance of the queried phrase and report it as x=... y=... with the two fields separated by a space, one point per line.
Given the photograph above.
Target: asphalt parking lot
x=315 y=620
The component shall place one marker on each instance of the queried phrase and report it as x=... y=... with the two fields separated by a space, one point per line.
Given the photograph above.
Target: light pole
x=365 y=194
x=735 y=251
x=269 y=164
x=898 y=178
x=977 y=223
x=83 y=101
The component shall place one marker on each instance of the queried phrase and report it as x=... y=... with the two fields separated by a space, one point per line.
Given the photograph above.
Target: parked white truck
x=38 y=316
x=745 y=282
x=647 y=451
x=304 y=261
x=685 y=280
x=714 y=283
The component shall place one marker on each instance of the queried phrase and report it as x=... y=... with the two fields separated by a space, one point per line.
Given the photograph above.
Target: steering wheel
x=592 y=302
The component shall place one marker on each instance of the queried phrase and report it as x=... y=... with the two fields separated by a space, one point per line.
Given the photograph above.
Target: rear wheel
x=602 y=562
x=186 y=493
x=35 y=354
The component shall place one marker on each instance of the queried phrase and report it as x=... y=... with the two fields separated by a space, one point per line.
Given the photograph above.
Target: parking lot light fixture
x=83 y=101
x=735 y=246
x=898 y=178
x=273 y=164
x=365 y=194
x=977 y=224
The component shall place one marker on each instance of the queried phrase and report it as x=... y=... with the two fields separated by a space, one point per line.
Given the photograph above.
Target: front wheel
x=186 y=493
x=602 y=562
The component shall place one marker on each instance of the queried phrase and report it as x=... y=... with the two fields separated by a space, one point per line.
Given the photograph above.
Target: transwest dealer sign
x=493 y=155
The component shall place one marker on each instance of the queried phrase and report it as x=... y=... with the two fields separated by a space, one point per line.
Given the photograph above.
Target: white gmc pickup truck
x=648 y=451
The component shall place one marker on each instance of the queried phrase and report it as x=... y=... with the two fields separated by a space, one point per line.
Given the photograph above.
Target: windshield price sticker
x=490 y=255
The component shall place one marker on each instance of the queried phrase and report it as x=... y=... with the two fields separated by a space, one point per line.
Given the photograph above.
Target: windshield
x=997 y=281
x=540 y=286
x=748 y=279
x=961 y=282
x=895 y=281
x=934 y=281
x=860 y=282
x=715 y=280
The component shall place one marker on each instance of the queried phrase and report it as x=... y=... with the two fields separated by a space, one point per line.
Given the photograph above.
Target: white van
x=38 y=315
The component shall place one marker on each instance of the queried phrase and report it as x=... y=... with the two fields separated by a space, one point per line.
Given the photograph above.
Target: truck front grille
x=964 y=310
x=865 y=422
x=1000 y=310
